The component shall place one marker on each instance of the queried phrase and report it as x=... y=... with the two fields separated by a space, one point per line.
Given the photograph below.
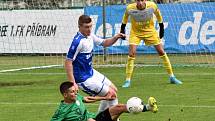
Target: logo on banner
x=206 y=32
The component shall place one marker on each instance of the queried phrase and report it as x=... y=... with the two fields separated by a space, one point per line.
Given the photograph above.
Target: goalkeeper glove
x=122 y=30
x=161 y=32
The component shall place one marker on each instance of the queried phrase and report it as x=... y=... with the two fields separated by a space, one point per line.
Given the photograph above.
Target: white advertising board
x=37 y=31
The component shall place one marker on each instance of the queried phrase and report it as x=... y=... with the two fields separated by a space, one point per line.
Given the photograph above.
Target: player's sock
x=145 y=108
x=113 y=102
x=129 y=71
x=103 y=105
x=129 y=67
x=167 y=65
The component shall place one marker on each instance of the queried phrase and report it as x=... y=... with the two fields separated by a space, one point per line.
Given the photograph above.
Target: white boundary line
x=29 y=68
x=185 y=106
x=104 y=66
x=189 y=106
x=5 y=73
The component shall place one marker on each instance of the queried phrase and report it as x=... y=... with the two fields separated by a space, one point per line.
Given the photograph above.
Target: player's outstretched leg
x=151 y=106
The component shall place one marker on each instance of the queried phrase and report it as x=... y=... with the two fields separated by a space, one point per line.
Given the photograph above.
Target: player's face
x=86 y=28
x=141 y=4
x=71 y=94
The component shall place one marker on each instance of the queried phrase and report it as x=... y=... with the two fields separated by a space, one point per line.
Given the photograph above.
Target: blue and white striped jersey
x=80 y=52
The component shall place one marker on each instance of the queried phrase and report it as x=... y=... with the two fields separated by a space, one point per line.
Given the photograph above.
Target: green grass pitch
x=33 y=95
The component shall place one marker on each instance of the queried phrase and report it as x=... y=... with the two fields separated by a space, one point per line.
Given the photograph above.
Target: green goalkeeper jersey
x=72 y=112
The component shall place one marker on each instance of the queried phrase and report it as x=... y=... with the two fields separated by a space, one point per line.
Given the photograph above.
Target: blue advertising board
x=189 y=28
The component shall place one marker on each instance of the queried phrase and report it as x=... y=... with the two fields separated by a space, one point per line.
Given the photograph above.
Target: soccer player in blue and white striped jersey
x=79 y=68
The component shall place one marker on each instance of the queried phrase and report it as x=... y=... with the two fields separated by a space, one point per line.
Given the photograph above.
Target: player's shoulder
x=62 y=108
x=78 y=36
x=131 y=6
x=151 y=3
x=92 y=35
x=77 y=39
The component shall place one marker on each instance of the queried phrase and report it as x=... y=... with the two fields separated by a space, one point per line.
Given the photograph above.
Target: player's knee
x=112 y=93
x=114 y=88
x=132 y=54
x=161 y=53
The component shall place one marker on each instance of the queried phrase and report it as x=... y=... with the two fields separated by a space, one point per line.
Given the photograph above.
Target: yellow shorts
x=150 y=40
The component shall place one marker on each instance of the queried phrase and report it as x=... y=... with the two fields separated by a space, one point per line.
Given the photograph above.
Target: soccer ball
x=134 y=105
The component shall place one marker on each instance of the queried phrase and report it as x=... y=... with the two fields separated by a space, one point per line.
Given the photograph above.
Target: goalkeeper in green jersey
x=72 y=108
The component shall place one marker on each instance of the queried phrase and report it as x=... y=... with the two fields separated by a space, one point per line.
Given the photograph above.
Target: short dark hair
x=65 y=86
x=84 y=19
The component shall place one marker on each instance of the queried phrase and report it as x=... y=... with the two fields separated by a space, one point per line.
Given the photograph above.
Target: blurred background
x=47 y=4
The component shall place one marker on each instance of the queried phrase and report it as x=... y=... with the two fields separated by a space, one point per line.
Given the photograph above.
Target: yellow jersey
x=142 y=23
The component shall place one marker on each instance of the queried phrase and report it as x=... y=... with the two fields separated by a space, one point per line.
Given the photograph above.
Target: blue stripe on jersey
x=82 y=63
x=89 y=91
x=74 y=45
x=82 y=67
x=102 y=85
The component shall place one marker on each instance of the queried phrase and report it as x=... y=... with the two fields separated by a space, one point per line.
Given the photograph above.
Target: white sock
x=103 y=105
x=113 y=102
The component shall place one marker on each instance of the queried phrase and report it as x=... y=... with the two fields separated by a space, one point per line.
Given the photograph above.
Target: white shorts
x=97 y=85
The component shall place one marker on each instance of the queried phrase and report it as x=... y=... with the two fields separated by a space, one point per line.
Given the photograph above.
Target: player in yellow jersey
x=142 y=28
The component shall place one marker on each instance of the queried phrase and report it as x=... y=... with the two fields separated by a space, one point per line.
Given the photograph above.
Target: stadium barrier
x=189 y=28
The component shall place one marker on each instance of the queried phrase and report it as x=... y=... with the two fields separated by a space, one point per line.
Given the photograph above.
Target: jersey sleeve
x=157 y=13
x=74 y=49
x=97 y=40
x=58 y=116
x=125 y=17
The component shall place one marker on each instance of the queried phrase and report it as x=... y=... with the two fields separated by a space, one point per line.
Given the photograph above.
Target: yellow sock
x=129 y=67
x=167 y=65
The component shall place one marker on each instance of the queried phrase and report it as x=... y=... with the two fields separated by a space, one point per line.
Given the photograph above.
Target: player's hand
x=161 y=32
x=121 y=35
x=110 y=97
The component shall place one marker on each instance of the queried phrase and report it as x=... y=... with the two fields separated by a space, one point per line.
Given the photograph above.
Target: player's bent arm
x=91 y=99
x=111 y=41
x=125 y=17
x=158 y=14
x=124 y=21
x=69 y=71
x=160 y=20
